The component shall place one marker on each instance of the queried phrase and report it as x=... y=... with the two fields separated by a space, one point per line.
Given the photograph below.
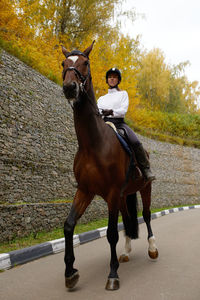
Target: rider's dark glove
x=107 y=112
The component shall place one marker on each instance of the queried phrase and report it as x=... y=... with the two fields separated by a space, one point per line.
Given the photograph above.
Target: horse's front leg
x=80 y=203
x=113 y=236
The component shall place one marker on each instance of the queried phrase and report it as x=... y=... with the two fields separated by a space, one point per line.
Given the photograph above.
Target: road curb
x=18 y=257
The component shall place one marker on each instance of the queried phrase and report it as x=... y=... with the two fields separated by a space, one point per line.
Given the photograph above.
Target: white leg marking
x=152 y=244
x=153 y=251
x=125 y=256
x=127 y=245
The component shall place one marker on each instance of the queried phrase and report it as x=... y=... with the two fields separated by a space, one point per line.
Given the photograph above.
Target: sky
x=172 y=26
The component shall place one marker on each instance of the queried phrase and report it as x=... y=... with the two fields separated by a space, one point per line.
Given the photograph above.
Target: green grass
x=41 y=237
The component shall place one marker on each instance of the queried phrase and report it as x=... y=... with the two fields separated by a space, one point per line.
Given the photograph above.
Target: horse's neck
x=87 y=121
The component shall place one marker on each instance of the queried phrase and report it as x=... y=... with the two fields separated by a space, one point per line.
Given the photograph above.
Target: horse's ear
x=64 y=51
x=89 y=49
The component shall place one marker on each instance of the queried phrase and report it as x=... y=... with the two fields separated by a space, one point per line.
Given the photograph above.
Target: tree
x=78 y=18
x=192 y=96
x=184 y=95
x=154 y=80
x=164 y=87
x=71 y=21
x=10 y=24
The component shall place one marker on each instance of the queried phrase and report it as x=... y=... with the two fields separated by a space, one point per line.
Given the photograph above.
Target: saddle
x=122 y=136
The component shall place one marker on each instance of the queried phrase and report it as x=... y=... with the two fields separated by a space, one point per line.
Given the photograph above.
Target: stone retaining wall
x=37 y=138
x=21 y=220
x=177 y=170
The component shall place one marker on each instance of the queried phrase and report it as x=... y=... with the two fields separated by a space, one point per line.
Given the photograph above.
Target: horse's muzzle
x=71 y=90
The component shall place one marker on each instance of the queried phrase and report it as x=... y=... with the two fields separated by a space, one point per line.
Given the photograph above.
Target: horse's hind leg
x=124 y=257
x=129 y=215
x=146 y=200
x=80 y=203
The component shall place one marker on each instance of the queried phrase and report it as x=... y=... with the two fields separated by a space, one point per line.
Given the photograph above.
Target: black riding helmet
x=114 y=70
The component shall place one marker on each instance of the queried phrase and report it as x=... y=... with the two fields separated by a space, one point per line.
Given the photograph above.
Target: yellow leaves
x=162 y=87
x=43 y=52
x=154 y=79
x=191 y=95
x=35 y=33
x=9 y=22
x=31 y=30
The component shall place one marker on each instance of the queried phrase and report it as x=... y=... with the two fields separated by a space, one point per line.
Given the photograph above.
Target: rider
x=113 y=107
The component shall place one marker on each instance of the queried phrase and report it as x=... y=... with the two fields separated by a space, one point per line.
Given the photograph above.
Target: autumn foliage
x=34 y=30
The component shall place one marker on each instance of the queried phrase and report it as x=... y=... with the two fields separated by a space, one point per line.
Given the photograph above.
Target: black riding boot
x=143 y=162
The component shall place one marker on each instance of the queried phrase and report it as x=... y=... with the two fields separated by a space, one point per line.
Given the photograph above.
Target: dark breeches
x=120 y=124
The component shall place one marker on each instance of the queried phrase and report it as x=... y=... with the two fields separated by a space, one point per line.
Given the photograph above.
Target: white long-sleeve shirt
x=116 y=100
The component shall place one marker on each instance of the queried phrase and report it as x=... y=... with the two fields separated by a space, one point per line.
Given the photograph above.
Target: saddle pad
x=121 y=139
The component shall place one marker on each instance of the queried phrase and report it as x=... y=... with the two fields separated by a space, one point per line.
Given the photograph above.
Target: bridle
x=78 y=74
x=82 y=78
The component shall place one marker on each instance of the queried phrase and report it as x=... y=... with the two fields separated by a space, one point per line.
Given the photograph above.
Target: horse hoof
x=112 y=284
x=154 y=254
x=124 y=258
x=71 y=281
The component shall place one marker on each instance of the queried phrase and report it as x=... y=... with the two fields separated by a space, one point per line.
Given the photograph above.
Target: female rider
x=113 y=107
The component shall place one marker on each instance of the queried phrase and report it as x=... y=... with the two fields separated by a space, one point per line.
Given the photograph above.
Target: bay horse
x=100 y=168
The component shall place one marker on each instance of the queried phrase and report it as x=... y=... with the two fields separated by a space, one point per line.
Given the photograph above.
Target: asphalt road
x=174 y=276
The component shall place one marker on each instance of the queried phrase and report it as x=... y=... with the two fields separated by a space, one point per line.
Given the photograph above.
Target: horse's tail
x=129 y=173
x=131 y=225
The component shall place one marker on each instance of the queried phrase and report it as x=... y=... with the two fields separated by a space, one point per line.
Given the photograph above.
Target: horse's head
x=76 y=72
